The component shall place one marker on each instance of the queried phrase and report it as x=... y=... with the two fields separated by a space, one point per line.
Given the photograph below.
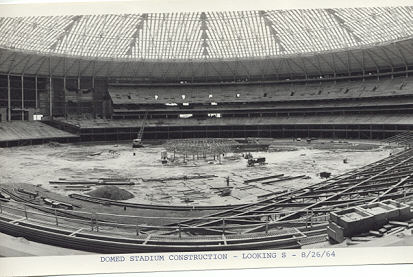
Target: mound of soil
x=111 y=192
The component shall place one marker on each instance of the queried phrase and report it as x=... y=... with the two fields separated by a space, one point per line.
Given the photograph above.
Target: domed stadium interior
x=197 y=131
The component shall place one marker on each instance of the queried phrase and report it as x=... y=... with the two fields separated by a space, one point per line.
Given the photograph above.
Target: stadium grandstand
x=260 y=129
x=276 y=73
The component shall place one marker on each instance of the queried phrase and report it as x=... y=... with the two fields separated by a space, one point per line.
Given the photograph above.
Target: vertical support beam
x=362 y=63
x=335 y=67
x=311 y=218
x=8 y=98
x=22 y=84
x=79 y=107
x=64 y=85
x=50 y=90
x=36 y=93
x=94 y=97
x=25 y=212
x=50 y=98
x=348 y=64
x=55 y=215
x=97 y=223
x=64 y=91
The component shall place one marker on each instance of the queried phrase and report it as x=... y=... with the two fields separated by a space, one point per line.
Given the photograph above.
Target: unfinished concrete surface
x=40 y=164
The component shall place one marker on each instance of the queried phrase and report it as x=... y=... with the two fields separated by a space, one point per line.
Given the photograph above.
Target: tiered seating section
x=233 y=121
x=141 y=95
x=405 y=138
x=30 y=130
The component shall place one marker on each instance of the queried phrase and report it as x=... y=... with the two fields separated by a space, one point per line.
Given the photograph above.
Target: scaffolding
x=199 y=148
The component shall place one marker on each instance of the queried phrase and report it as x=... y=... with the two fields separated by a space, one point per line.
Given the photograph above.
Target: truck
x=252 y=161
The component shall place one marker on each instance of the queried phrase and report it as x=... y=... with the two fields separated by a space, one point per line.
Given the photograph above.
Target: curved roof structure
x=206 y=35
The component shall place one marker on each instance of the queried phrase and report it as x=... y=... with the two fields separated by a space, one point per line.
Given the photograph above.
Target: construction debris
x=57 y=204
x=271 y=194
x=97 y=182
x=29 y=193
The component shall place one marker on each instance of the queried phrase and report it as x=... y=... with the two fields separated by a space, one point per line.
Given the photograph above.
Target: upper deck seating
x=142 y=95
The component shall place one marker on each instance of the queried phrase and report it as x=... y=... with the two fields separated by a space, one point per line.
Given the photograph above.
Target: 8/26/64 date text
x=311 y=254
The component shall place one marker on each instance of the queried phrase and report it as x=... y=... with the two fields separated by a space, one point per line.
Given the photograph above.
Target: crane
x=137 y=143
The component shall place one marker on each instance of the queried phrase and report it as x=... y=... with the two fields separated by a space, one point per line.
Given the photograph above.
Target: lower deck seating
x=287 y=120
x=28 y=130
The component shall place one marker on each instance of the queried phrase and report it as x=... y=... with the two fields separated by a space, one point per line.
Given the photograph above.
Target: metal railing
x=96 y=222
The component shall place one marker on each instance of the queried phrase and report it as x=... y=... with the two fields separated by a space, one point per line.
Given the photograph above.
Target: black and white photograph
x=199 y=133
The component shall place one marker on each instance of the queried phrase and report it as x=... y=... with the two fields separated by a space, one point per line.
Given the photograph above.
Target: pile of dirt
x=111 y=192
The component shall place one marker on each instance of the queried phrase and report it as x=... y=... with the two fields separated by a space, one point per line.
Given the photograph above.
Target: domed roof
x=206 y=35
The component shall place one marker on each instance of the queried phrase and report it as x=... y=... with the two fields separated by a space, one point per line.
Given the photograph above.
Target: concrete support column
x=8 y=99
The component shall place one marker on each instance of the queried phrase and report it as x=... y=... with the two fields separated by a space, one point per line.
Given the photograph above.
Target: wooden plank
x=147 y=239
x=395 y=231
x=263 y=178
x=376 y=234
x=402 y=181
x=283 y=179
x=18 y=220
x=399 y=223
x=76 y=232
x=224 y=239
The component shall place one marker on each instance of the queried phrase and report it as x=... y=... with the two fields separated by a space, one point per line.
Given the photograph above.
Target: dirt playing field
x=40 y=164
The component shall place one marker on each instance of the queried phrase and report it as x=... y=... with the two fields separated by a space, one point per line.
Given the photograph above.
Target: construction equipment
x=260 y=161
x=137 y=143
x=4 y=196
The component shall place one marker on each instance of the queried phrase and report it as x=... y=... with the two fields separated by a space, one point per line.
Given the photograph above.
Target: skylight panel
x=220 y=35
